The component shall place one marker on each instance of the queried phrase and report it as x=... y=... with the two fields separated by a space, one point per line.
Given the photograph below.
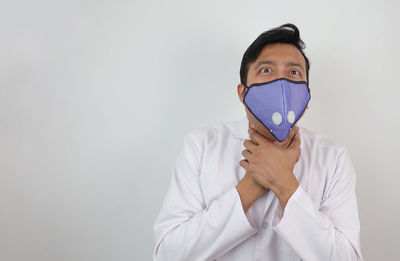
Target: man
x=262 y=188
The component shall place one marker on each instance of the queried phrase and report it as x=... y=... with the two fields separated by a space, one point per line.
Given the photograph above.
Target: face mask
x=277 y=104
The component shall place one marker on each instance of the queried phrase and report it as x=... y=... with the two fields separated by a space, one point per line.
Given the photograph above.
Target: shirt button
x=265 y=225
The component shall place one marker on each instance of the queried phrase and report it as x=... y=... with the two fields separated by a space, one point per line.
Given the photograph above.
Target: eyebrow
x=263 y=63
x=273 y=63
x=295 y=64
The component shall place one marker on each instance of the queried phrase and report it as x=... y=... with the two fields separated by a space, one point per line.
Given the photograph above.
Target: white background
x=97 y=96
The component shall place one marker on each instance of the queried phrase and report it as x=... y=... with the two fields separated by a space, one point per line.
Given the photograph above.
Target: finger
x=244 y=164
x=295 y=129
x=248 y=144
x=246 y=154
x=293 y=132
x=295 y=144
x=256 y=137
x=298 y=155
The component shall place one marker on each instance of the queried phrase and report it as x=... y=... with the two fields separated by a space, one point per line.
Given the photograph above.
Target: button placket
x=265 y=225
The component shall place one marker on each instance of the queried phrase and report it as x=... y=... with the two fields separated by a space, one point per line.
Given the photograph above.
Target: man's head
x=277 y=53
x=284 y=34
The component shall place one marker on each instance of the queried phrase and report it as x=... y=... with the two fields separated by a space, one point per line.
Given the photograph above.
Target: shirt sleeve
x=327 y=231
x=188 y=230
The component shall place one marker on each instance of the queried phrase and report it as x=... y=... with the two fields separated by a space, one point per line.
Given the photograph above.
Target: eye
x=265 y=70
x=294 y=72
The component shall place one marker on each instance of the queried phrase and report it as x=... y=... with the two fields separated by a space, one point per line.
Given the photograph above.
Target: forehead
x=281 y=53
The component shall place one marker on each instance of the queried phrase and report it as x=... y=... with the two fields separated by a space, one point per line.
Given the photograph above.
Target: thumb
x=295 y=144
x=294 y=147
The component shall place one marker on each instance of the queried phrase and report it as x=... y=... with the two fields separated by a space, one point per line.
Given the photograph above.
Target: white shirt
x=202 y=216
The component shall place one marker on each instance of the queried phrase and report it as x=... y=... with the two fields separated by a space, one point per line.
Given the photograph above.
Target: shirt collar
x=242 y=129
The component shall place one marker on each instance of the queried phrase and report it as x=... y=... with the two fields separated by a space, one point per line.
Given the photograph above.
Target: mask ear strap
x=245 y=91
x=246 y=88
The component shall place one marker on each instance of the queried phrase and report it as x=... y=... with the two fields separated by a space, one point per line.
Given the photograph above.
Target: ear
x=241 y=90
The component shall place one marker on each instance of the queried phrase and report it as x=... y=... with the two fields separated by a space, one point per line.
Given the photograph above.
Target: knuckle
x=256 y=153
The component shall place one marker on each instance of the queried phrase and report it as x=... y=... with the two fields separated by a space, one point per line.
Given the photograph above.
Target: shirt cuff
x=299 y=206
x=279 y=212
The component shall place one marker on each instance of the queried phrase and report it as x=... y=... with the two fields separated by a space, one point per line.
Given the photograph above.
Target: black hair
x=287 y=33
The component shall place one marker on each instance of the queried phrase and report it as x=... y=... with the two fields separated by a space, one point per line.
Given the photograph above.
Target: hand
x=249 y=191
x=271 y=164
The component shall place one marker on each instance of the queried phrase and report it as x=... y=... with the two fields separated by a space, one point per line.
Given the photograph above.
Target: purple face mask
x=277 y=104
